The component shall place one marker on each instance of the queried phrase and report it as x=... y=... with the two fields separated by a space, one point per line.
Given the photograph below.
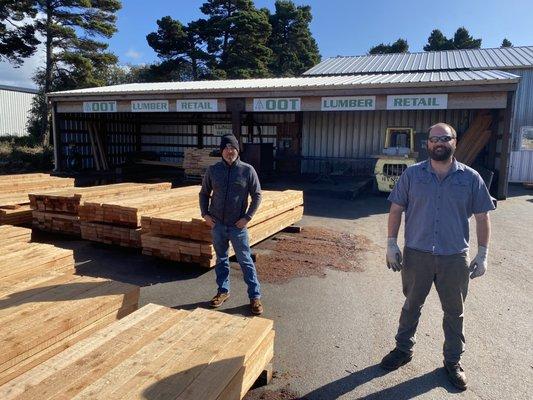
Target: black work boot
x=395 y=359
x=456 y=375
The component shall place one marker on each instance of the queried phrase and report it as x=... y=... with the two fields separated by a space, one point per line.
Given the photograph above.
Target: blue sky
x=341 y=27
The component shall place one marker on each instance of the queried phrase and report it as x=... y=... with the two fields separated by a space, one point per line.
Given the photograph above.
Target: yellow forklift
x=398 y=154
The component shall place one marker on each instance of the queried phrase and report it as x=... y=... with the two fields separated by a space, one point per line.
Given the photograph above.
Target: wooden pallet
x=203 y=253
x=49 y=312
x=156 y=353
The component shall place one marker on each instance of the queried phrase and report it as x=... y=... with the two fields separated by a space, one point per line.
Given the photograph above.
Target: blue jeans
x=222 y=236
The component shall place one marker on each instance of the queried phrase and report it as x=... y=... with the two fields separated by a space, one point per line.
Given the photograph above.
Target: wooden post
x=236 y=107
x=200 y=131
x=503 y=173
x=56 y=138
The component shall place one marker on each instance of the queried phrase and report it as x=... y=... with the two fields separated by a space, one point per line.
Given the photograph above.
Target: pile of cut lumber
x=182 y=235
x=58 y=211
x=14 y=189
x=117 y=220
x=474 y=139
x=196 y=162
x=44 y=308
x=156 y=353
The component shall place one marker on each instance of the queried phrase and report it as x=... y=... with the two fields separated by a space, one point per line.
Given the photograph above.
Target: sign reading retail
x=99 y=106
x=418 y=102
x=197 y=105
x=351 y=103
x=149 y=106
x=282 y=104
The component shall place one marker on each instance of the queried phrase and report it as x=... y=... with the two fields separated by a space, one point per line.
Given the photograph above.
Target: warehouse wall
x=14 y=109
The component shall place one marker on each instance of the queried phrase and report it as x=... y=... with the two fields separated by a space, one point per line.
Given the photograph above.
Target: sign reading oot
x=196 y=105
x=283 y=104
x=348 y=103
x=149 y=106
x=417 y=102
x=99 y=106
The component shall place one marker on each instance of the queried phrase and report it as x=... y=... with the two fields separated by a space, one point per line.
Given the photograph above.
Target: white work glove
x=394 y=255
x=478 y=266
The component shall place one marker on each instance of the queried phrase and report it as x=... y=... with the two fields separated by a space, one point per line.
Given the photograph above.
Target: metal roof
x=471 y=59
x=420 y=79
x=18 y=89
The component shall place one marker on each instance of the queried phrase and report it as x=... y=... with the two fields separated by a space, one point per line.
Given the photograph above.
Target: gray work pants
x=450 y=275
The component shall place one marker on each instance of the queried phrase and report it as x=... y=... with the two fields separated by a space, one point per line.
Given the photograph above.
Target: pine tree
x=438 y=42
x=399 y=46
x=506 y=43
x=293 y=46
x=463 y=40
x=17 y=38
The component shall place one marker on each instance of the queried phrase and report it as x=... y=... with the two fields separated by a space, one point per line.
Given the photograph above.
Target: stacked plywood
x=58 y=211
x=14 y=189
x=182 y=235
x=474 y=139
x=196 y=162
x=156 y=353
x=117 y=220
x=44 y=308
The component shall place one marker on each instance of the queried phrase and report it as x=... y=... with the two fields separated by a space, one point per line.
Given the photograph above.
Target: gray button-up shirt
x=437 y=212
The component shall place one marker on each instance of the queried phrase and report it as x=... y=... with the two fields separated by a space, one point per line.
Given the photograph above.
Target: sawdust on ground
x=309 y=253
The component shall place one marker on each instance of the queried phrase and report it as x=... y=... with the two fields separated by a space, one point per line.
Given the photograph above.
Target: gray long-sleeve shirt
x=225 y=190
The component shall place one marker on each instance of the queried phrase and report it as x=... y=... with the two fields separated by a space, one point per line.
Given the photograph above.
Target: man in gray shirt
x=224 y=206
x=439 y=196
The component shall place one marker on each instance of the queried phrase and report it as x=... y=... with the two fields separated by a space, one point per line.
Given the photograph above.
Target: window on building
x=526 y=138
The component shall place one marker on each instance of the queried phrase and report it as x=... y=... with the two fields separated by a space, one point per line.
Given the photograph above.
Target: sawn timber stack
x=117 y=220
x=183 y=235
x=156 y=353
x=14 y=189
x=58 y=211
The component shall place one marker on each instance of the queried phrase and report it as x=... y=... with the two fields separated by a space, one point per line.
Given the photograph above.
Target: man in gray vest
x=224 y=206
x=439 y=196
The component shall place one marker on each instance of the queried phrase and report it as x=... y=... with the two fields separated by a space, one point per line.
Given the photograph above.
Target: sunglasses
x=443 y=139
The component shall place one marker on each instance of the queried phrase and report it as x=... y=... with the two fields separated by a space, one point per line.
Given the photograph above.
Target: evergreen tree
x=463 y=40
x=17 y=38
x=236 y=34
x=437 y=42
x=399 y=46
x=506 y=43
x=293 y=47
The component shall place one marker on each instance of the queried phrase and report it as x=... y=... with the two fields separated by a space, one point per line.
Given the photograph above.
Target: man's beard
x=443 y=153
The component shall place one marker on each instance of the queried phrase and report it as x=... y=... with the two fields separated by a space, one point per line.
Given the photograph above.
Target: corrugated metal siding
x=521 y=161
x=361 y=134
x=501 y=58
x=14 y=109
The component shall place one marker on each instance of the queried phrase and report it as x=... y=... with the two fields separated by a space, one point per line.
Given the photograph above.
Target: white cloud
x=133 y=54
x=9 y=75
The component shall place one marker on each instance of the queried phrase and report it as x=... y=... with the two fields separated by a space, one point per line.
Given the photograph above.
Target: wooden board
x=64 y=223
x=49 y=312
x=109 y=234
x=156 y=353
x=19 y=216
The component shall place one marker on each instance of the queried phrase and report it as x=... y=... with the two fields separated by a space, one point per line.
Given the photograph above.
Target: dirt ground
x=334 y=321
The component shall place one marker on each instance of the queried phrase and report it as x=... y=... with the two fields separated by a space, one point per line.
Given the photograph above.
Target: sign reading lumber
x=149 y=106
x=277 y=105
x=351 y=103
x=197 y=105
x=417 y=102
x=99 y=106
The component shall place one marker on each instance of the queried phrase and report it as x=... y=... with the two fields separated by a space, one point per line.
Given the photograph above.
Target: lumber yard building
x=336 y=114
x=15 y=105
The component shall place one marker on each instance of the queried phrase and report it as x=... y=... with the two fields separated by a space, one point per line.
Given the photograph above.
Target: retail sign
x=99 y=106
x=277 y=105
x=197 y=105
x=149 y=106
x=351 y=103
x=222 y=129
x=417 y=102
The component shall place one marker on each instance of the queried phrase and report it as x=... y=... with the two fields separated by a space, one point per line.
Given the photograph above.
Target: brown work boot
x=219 y=299
x=257 y=307
x=395 y=359
x=456 y=375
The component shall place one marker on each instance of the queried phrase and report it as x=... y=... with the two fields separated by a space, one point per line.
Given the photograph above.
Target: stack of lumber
x=44 y=308
x=182 y=235
x=58 y=211
x=156 y=353
x=14 y=189
x=474 y=139
x=196 y=162
x=117 y=220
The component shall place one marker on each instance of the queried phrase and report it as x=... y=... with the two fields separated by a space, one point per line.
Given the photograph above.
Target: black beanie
x=229 y=139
